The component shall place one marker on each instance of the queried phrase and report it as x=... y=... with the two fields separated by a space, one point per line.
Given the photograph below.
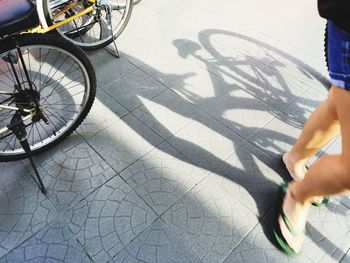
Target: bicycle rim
x=63 y=84
x=93 y=30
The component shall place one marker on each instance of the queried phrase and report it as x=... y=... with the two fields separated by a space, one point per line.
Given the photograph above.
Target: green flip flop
x=277 y=230
x=325 y=199
x=324 y=202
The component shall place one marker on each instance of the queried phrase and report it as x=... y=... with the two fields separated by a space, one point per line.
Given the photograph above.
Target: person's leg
x=330 y=175
x=321 y=127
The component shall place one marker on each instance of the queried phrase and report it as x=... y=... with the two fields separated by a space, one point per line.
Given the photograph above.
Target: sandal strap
x=288 y=224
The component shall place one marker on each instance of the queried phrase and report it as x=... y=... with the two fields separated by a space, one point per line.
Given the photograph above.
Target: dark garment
x=338 y=56
x=337 y=11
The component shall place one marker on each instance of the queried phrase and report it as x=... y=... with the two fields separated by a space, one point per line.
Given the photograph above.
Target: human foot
x=297 y=172
x=291 y=223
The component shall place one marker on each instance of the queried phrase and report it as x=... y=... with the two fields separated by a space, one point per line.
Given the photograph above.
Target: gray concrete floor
x=179 y=158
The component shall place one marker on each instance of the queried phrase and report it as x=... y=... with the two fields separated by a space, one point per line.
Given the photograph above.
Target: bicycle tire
x=89 y=34
x=53 y=42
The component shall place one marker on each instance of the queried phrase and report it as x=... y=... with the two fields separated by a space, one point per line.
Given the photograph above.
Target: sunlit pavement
x=179 y=158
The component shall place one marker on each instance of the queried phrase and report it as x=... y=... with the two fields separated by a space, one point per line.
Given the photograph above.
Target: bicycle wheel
x=63 y=84
x=92 y=30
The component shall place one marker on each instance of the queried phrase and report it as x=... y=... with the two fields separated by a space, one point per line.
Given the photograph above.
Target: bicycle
x=90 y=24
x=47 y=85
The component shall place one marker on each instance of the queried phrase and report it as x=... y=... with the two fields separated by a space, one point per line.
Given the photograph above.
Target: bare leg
x=321 y=127
x=330 y=175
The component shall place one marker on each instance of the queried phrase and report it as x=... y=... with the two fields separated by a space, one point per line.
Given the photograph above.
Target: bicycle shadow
x=251 y=84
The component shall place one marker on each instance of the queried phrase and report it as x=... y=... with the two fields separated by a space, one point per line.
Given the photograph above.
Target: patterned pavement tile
x=205 y=142
x=307 y=102
x=256 y=247
x=71 y=174
x=166 y=114
x=274 y=87
x=177 y=72
x=137 y=26
x=278 y=136
x=104 y=112
x=23 y=212
x=124 y=142
x=109 y=219
x=12 y=171
x=157 y=244
x=162 y=177
x=209 y=221
x=109 y=69
x=54 y=243
x=201 y=85
x=252 y=177
x=172 y=9
x=327 y=238
x=238 y=110
x=143 y=48
x=133 y=90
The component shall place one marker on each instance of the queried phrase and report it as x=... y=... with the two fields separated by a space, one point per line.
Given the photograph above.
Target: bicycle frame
x=42 y=8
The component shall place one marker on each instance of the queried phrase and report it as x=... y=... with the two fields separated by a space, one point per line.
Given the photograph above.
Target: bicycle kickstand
x=18 y=128
x=114 y=51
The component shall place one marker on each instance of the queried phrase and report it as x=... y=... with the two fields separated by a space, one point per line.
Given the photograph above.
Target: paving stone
x=124 y=142
x=108 y=68
x=241 y=12
x=346 y=258
x=178 y=71
x=132 y=90
x=23 y=212
x=200 y=19
x=201 y=85
x=205 y=142
x=172 y=9
x=313 y=45
x=274 y=87
x=278 y=136
x=12 y=171
x=334 y=147
x=251 y=177
x=156 y=244
x=54 y=243
x=307 y=102
x=327 y=238
x=143 y=48
x=109 y=219
x=166 y=114
x=71 y=174
x=209 y=221
x=238 y=110
x=137 y=26
x=104 y=112
x=162 y=177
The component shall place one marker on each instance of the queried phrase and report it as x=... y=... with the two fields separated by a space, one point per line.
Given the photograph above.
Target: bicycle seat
x=17 y=16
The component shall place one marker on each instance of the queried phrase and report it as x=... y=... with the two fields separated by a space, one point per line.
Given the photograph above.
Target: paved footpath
x=179 y=159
